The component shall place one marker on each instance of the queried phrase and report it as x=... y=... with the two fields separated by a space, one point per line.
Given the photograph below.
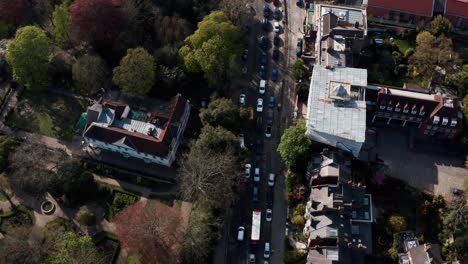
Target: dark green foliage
x=294 y=145
x=7 y=145
x=459 y=80
x=299 y=70
x=302 y=90
x=121 y=201
x=216 y=139
x=221 y=112
x=85 y=216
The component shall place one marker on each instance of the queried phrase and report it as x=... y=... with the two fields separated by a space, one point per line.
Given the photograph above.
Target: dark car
x=266 y=12
x=277 y=40
x=245 y=54
x=263 y=58
x=299 y=2
x=263 y=42
x=276 y=13
x=270 y=114
x=299 y=47
x=259 y=124
x=276 y=2
x=265 y=24
x=259 y=147
x=276 y=54
x=269 y=198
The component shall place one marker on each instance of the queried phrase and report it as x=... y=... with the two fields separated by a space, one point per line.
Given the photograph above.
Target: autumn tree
x=154 y=232
x=221 y=112
x=235 y=10
x=14 y=11
x=28 y=55
x=397 y=223
x=441 y=25
x=172 y=29
x=73 y=248
x=17 y=247
x=62 y=29
x=89 y=74
x=294 y=144
x=136 y=72
x=98 y=20
x=213 y=49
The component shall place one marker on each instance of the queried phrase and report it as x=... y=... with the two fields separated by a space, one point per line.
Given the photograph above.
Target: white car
x=268 y=215
x=251 y=259
x=257 y=175
x=247 y=170
x=262 y=87
x=240 y=233
x=271 y=179
x=242 y=141
x=259 y=105
x=276 y=27
x=242 y=99
x=266 y=253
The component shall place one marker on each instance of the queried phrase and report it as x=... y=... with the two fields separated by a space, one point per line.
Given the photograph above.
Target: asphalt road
x=229 y=250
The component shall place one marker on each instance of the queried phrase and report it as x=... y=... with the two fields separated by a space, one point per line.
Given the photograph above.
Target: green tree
x=298 y=220
x=89 y=74
x=298 y=70
x=136 y=72
x=294 y=144
x=459 y=80
x=213 y=49
x=7 y=146
x=465 y=107
x=222 y=112
x=28 y=55
x=441 y=25
x=72 y=248
x=397 y=223
x=61 y=18
x=217 y=139
x=85 y=216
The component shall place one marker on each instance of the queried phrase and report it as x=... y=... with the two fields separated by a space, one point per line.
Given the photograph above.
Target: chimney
x=356 y=25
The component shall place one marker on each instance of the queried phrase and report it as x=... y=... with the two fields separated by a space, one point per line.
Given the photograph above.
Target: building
x=152 y=137
x=409 y=14
x=426 y=253
x=339 y=213
x=433 y=114
x=341 y=34
x=337 y=109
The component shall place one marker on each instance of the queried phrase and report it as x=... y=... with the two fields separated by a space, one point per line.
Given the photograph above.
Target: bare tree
x=236 y=10
x=209 y=177
x=16 y=247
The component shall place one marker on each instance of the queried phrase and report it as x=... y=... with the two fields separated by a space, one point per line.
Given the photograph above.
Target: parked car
x=265 y=24
x=245 y=54
x=255 y=194
x=251 y=259
x=274 y=75
x=277 y=13
x=299 y=47
x=262 y=87
x=259 y=105
x=257 y=175
x=240 y=233
x=276 y=2
x=263 y=59
x=266 y=253
x=268 y=131
x=266 y=11
x=271 y=102
x=259 y=147
x=248 y=166
x=241 y=141
x=269 y=215
x=270 y=114
x=269 y=198
x=242 y=99
x=277 y=40
x=264 y=42
x=262 y=71
x=204 y=102
x=276 y=27
x=259 y=124
x=276 y=54
x=271 y=179
x=299 y=3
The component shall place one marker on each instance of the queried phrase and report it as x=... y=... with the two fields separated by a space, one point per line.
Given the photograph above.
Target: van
x=255 y=194
x=262 y=87
x=240 y=233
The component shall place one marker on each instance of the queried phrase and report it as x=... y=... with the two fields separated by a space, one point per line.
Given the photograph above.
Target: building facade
x=153 y=137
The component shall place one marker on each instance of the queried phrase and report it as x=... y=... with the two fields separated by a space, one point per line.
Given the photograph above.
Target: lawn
x=404 y=44
x=47 y=114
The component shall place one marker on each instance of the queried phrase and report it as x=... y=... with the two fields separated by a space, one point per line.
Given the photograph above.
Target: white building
x=153 y=137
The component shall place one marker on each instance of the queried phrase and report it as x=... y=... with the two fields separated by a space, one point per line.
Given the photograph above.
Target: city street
x=230 y=250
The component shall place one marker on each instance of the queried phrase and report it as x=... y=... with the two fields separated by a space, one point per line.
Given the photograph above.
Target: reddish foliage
x=99 y=20
x=154 y=232
x=13 y=11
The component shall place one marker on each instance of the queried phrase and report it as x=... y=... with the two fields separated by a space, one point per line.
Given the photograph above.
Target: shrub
x=121 y=201
x=298 y=220
x=85 y=216
x=299 y=210
x=409 y=52
x=397 y=223
x=298 y=70
x=393 y=253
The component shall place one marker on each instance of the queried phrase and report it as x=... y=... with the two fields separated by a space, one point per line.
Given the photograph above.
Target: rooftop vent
x=341 y=15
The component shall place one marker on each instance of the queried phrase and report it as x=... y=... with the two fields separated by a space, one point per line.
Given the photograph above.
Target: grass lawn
x=404 y=44
x=47 y=114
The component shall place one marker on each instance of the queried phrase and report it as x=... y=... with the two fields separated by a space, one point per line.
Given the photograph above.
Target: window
x=444 y=121
x=422 y=113
x=397 y=109
x=436 y=120
x=389 y=108
x=453 y=123
x=413 y=112
x=405 y=110
x=382 y=107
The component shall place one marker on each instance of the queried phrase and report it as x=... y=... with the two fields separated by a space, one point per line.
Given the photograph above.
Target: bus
x=256 y=220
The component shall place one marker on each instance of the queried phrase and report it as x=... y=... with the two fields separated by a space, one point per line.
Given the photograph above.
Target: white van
x=240 y=233
x=262 y=87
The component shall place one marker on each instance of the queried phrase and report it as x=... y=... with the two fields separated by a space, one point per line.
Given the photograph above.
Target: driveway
x=435 y=173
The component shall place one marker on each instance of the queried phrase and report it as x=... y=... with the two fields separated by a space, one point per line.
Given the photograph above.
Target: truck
x=256 y=221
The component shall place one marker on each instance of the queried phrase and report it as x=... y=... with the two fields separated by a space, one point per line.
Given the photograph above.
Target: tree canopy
x=136 y=72
x=89 y=74
x=294 y=144
x=459 y=80
x=217 y=139
x=222 y=112
x=73 y=248
x=298 y=70
x=13 y=11
x=28 y=55
x=62 y=29
x=213 y=49
x=441 y=25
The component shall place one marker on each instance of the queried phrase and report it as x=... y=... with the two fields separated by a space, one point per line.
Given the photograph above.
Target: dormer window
x=453 y=123
x=406 y=109
x=414 y=110
x=389 y=107
x=436 y=120
x=397 y=107
x=382 y=107
x=421 y=111
x=444 y=121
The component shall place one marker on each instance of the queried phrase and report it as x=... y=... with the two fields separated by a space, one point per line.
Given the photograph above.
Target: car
x=255 y=194
x=268 y=131
x=245 y=54
x=241 y=141
x=270 y=114
x=248 y=166
x=266 y=253
x=276 y=27
x=299 y=3
x=251 y=259
x=271 y=179
x=299 y=47
x=259 y=124
x=277 y=40
x=242 y=99
x=276 y=54
x=263 y=58
x=276 y=13
x=266 y=11
x=265 y=24
x=276 y=2
x=268 y=215
x=262 y=71
x=263 y=42
x=259 y=105
x=269 y=198
x=257 y=175
x=262 y=87
x=240 y=233
x=259 y=147
x=244 y=70
x=274 y=75
x=271 y=102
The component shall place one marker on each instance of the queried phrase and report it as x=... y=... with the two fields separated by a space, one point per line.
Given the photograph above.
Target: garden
x=18 y=217
x=47 y=114
x=114 y=199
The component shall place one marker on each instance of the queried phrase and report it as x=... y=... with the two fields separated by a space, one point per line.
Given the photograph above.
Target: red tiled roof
x=422 y=7
x=457 y=8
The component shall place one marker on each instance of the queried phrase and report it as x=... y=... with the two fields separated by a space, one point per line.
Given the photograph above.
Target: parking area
x=436 y=173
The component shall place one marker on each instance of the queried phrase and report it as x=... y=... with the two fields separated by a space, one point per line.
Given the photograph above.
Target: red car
x=276 y=2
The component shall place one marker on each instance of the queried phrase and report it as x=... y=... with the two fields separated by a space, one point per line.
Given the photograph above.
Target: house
x=339 y=213
x=457 y=12
x=150 y=136
x=427 y=253
x=435 y=115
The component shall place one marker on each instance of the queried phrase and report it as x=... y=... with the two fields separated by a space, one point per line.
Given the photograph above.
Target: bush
x=397 y=223
x=122 y=200
x=299 y=210
x=393 y=253
x=85 y=216
x=409 y=52
x=302 y=91
x=298 y=70
x=298 y=220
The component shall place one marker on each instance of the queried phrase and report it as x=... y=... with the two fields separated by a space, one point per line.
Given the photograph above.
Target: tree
x=294 y=144
x=73 y=181
x=13 y=11
x=441 y=25
x=465 y=107
x=397 y=223
x=16 y=247
x=459 y=80
x=135 y=73
x=173 y=29
x=98 y=20
x=154 y=231
x=213 y=49
x=298 y=70
x=5 y=188
x=28 y=55
x=73 y=248
x=7 y=146
x=216 y=139
x=89 y=74
x=85 y=216
x=222 y=112
x=209 y=177
x=61 y=19
x=235 y=10
x=298 y=220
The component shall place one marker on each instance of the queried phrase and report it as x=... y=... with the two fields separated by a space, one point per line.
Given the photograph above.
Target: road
x=229 y=250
